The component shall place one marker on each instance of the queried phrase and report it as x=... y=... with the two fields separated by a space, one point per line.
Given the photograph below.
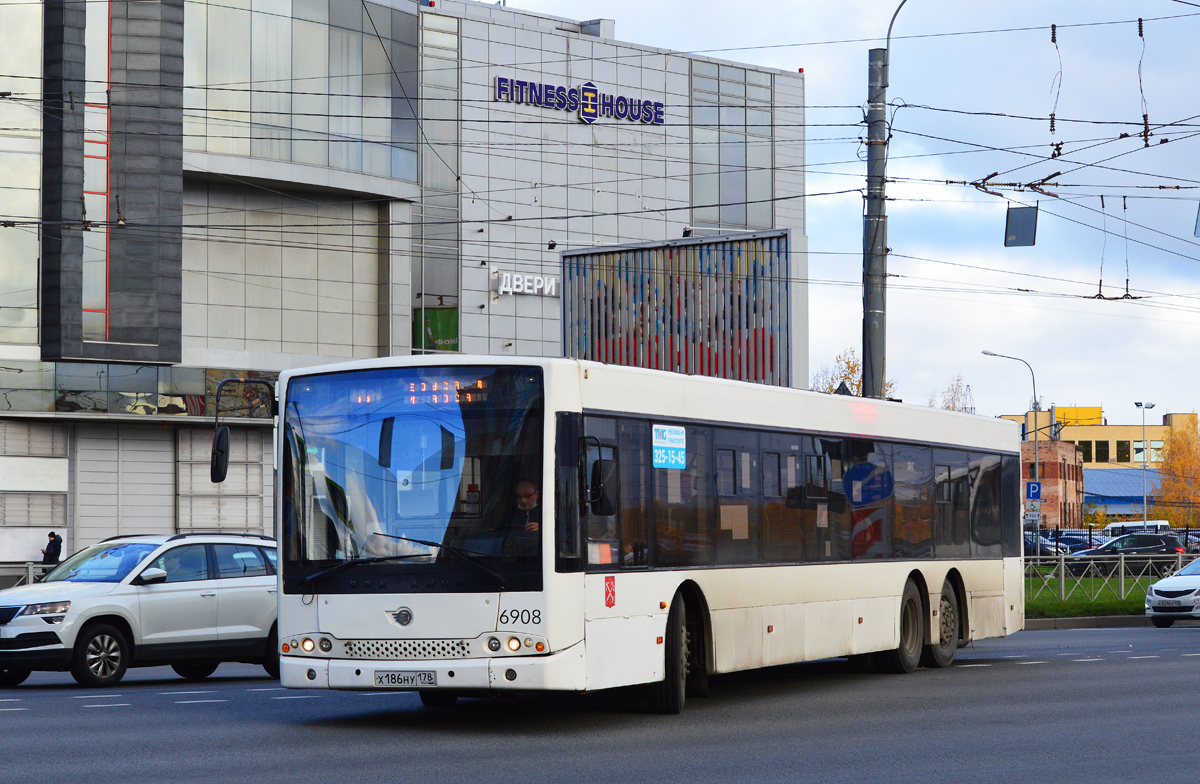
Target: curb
x=1094 y=622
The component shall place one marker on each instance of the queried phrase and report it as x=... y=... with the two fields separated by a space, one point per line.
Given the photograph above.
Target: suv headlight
x=49 y=608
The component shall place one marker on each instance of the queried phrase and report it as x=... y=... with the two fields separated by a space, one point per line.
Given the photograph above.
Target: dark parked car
x=1144 y=554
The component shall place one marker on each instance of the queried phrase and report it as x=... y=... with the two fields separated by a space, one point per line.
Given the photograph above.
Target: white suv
x=190 y=600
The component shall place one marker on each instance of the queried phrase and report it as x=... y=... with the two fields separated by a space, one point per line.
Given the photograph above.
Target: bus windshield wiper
x=305 y=582
x=465 y=555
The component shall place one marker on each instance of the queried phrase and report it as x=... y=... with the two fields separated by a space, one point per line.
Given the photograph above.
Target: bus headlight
x=493 y=644
x=306 y=645
x=326 y=645
x=514 y=644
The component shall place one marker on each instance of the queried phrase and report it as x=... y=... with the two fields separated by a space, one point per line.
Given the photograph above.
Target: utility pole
x=875 y=223
x=875 y=231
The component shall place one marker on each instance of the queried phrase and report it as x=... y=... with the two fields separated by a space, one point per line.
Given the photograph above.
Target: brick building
x=1060 y=470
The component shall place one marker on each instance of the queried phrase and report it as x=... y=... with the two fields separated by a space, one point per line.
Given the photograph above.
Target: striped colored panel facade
x=710 y=306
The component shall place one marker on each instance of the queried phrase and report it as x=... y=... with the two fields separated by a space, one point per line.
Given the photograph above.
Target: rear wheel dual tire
x=194 y=670
x=907 y=654
x=945 y=634
x=668 y=695
x=101 y=656
x=12 y=677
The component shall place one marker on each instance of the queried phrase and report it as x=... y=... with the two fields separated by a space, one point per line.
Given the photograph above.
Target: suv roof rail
x=125 y=536
x=220 y=533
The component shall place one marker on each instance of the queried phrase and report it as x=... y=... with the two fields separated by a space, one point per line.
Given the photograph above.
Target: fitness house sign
x=586 y=99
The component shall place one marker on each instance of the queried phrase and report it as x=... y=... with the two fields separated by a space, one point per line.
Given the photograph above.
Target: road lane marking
x=94 y=696
x=110 y=705
x=1086 y=660
x=1143 y=657
x=974 y=665
x=1189 y=654
x=172 y=693
x=11 y=699
x=280 y=688
x=196 y=702
x=14 y=709
x=1015 y=656
x=299 y=697
x=1033 y=662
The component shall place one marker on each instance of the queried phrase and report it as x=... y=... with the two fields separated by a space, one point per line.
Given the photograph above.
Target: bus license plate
x=406 y=678
x=1170 y=603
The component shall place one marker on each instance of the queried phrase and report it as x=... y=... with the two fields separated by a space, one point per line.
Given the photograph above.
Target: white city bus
x=467 y=525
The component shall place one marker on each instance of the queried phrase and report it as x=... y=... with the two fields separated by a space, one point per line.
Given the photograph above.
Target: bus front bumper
x=561 y=671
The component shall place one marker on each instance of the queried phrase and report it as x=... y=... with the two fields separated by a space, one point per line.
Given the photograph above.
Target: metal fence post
x=29 y=572
x=1062 y=576
x=1121 y=581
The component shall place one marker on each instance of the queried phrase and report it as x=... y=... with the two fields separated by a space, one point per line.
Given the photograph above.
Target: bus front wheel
x=907 y=655
x=668 y=695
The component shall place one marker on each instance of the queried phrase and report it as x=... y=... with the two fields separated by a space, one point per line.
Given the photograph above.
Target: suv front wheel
x=101 y=656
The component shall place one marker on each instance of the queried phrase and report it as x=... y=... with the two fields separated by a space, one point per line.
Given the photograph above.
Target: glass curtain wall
x=97 y=64
x=20 y=169
x=306 y=81
x=435 y=273
x=731 y=146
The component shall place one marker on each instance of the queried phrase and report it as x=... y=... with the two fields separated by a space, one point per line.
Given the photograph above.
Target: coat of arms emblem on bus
x=403 y=616
x=610 y=591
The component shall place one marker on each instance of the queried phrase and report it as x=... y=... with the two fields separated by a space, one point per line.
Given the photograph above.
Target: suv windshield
x=375 y=459
x=101 y=563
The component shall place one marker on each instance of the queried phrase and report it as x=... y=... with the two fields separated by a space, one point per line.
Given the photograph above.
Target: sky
x=971 y=89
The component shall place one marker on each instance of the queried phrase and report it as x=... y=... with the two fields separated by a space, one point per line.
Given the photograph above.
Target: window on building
x=1086 y=448
x=1156 y=451
x=1102 y=451
x=731 y=145
x=1122 y=451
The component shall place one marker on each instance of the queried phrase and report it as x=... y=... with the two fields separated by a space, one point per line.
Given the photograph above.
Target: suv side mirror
x=219 y=465
x=151 y=576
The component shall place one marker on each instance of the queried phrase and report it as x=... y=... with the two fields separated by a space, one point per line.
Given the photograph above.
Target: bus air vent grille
x=408 y=649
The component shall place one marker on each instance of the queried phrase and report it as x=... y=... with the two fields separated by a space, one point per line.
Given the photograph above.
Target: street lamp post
x=1035 y=405
x=1145 y=457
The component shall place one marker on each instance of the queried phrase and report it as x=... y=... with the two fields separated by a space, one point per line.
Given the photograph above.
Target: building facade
x=192 y=191
x=1060 y=471
x=1103 y=445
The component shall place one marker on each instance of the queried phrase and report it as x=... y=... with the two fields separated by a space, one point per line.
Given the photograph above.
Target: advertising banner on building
x=435 y=329
x=711 y=306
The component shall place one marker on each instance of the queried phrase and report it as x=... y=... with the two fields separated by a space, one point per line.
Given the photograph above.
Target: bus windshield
x=426 y=467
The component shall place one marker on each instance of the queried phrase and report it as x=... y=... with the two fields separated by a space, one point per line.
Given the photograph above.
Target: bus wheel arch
x=701 y=639
x=906 y=656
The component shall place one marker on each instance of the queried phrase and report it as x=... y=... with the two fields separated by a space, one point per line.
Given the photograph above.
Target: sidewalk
x=1094 y=622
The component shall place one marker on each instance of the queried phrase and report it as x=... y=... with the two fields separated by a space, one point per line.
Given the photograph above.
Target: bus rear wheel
x=668 y=695
x=907 y=655
x=940 y=652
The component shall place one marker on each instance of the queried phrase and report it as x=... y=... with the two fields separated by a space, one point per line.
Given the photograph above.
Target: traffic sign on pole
x=1033 y=491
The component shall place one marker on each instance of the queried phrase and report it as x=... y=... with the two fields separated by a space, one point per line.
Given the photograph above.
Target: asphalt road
x=1086 y=705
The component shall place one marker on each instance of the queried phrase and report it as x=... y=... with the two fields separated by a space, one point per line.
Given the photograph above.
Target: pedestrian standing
x=53 y=549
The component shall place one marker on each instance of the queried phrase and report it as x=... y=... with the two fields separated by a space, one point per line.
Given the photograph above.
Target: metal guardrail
x=14 y=573
x=1065 y=576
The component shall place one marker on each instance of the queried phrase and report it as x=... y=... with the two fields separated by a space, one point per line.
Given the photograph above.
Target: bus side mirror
x=219 y=464
x=603 y=493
